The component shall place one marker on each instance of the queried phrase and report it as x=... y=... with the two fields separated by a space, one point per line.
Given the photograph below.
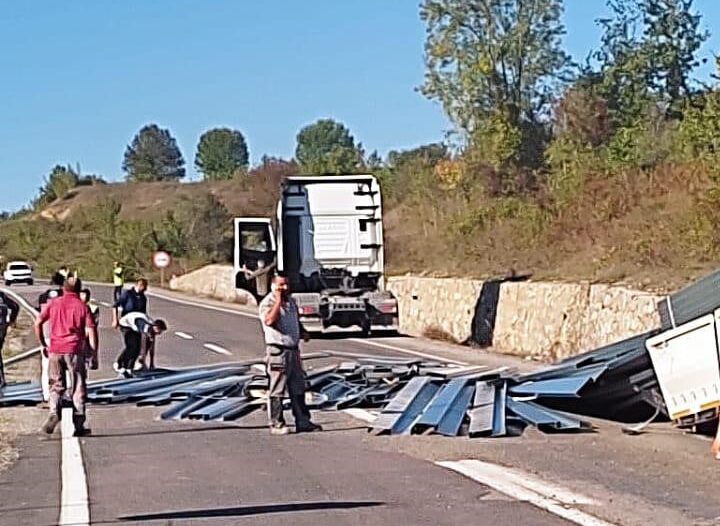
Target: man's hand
x=278 y=296
x=115 y=324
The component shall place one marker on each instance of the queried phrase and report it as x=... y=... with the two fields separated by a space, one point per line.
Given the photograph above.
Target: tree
x=490 y=59
x=61 y=180
x=647 y=55
x=153 y=155
x=221 y=152
x=327 y=147
x=672 y=38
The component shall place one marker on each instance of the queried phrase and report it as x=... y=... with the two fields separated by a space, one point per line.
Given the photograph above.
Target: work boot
x=82 y=431
x=79 y=424
x=51 y=423
x=307 y=427
x=279 y=430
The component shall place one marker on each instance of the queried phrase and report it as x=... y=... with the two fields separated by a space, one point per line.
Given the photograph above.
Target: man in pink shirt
x=70 y=325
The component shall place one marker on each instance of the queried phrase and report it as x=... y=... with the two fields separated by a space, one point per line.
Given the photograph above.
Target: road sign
x=161 y=259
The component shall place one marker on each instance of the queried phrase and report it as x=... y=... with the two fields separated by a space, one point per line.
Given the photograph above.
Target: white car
x=18 y=272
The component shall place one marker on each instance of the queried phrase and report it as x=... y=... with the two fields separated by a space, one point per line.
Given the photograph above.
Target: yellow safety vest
x=118 y=277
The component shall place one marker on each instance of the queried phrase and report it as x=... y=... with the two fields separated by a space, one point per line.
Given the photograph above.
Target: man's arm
x=118 y=309
x=304 y=334
x=14 y=308
x=38 y=328
x=91 y=334
x=270 y=317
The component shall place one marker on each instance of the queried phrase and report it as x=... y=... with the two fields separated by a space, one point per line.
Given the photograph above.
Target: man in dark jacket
x=9 y=310
x=56 y=289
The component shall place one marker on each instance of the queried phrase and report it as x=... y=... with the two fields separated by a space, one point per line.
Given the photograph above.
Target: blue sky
x=79 y=78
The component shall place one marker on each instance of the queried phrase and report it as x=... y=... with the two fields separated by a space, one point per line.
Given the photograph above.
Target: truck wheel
x=31 y=282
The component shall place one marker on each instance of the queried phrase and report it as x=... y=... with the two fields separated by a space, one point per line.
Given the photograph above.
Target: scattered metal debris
x=412 y=396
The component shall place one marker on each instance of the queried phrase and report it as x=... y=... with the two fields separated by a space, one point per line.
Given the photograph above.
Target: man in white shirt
x=141 y=332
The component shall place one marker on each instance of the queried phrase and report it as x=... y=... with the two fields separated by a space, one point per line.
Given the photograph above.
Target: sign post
x=161 y=260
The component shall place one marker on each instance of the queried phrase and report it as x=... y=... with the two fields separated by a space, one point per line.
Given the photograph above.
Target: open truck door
x=255 y=254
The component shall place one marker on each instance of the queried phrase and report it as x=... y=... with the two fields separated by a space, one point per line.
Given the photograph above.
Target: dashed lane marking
x=74 y=504
x=184 y=335
x=528 y=488
x=216 y=348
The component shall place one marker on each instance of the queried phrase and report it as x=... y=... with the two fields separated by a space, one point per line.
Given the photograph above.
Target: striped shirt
x=285 y=332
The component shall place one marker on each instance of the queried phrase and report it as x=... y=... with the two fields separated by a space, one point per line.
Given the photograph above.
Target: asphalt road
x=144 y=471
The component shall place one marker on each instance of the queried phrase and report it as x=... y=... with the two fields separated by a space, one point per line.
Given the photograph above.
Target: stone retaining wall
x=213 y=281
x=539 y=320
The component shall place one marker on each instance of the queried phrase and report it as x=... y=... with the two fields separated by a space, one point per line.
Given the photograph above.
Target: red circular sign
x=161 y=259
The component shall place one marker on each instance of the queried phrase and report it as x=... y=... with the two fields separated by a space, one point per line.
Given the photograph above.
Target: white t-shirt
x=137 y=321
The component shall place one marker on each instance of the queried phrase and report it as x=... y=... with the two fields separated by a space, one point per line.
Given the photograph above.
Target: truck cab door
x=255 y=254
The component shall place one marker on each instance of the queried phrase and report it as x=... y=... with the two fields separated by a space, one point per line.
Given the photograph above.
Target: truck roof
x=328 y=178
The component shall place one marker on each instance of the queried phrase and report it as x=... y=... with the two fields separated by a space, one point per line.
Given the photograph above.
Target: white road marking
x=105 y=304
x=527 y=488
x=184 y=335
x=361 y=414
x=216 y=348
x=74 y=504
x=406 y=351
x=203 y=305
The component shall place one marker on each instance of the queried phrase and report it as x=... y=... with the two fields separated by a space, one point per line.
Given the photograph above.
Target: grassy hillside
x=649 y=229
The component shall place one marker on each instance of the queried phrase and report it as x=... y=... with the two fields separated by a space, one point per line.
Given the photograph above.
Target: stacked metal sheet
x=694 y=301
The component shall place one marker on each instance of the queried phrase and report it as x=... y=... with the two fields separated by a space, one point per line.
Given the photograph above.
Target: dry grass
x=641 y=229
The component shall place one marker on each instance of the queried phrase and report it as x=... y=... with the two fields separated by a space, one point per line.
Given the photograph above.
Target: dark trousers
x=131 y=351
x=117 y=291
x=2 y=366
x=286 y=375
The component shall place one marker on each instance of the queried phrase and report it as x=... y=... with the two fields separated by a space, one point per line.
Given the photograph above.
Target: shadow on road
x=228 y=427
x=173 y=430
x=242 y=511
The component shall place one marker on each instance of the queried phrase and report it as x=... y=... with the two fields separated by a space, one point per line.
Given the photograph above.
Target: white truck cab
x=327 y=238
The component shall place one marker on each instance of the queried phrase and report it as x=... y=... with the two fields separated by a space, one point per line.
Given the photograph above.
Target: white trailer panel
x=687 y=367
